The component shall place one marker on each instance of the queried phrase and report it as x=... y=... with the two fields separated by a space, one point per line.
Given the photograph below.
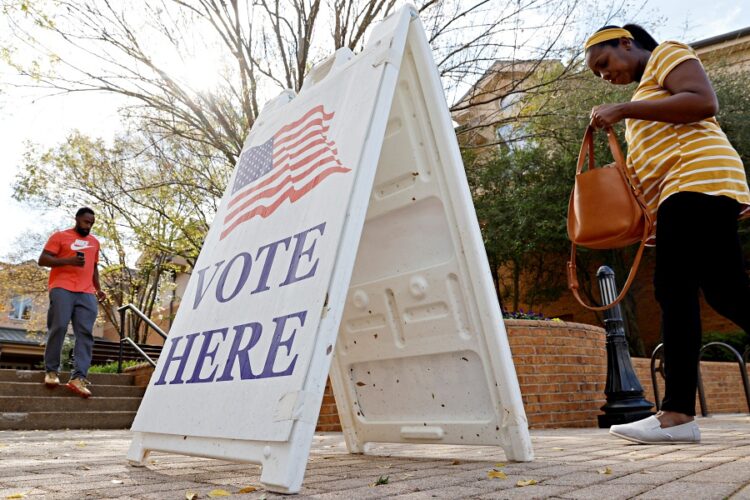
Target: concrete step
x=51 y=403
x=66 y=420
x=38 y=376
x=38 y=389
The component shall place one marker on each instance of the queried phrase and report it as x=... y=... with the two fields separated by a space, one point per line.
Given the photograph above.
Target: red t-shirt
x=64 y=244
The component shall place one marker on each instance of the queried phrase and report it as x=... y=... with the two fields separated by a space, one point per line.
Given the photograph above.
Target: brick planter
x=561 y=368
x=142 y=373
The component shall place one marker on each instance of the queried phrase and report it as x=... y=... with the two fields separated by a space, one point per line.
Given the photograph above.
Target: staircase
x=26 y=403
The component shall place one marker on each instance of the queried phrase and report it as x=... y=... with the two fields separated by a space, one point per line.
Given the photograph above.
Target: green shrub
x=738 y=340
x=112 y=367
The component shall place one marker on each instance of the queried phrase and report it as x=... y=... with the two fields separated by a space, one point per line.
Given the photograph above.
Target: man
x=74 y=288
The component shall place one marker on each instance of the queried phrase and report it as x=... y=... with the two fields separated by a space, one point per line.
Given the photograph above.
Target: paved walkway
x=570 y=463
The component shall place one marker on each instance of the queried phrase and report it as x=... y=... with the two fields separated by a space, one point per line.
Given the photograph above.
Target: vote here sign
x=240 y=346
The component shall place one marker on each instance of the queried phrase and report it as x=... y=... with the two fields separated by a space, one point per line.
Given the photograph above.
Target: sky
x=47 y=121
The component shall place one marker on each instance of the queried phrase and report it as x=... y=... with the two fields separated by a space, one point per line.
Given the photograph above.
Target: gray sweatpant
x=64 y=307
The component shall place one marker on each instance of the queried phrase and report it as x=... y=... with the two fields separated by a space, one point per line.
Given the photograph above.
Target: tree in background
x=521 y=191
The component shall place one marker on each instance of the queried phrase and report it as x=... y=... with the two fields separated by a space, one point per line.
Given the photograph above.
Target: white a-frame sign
x=346 y=241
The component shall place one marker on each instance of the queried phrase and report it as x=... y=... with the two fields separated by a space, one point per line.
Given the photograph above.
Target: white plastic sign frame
x=243 y=371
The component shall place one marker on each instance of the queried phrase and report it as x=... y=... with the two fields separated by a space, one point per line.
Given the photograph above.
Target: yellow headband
x=605 y=35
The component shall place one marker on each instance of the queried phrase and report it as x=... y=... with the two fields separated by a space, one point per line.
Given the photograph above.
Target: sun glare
x=202 y=72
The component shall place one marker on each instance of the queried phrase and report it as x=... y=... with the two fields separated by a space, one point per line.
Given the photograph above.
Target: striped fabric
x=666 y=158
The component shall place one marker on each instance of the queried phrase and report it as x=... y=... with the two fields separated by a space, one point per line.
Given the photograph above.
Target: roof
x=20 y=336
x=732 y=35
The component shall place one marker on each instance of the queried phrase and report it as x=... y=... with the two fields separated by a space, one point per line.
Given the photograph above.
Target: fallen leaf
x=456 y=462
x=605 y=470
x=499 y=464
x=248 y=489
x=80 y=444
x=84 y=467
x=381 y=480
x=218 y=493
x=16 y=495
x=496 y=474
x=525 y=482
x=191 y=495
x=558 y=449
x=116 y=481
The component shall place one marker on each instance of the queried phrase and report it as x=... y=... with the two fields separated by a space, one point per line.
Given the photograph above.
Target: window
x=20 y=308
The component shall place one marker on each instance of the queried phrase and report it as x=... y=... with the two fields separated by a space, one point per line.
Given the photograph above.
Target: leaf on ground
x=381 y=480
x=80 y=444
x=218 y=493
x=526 y=482
x=16 y=495
x=83 y=467
x=499 y=464
x=558 y=449
x=605 y=470
x=248 y=489
x=116 y=481
x=191 y=495
x=456 y=462
x=496 y=474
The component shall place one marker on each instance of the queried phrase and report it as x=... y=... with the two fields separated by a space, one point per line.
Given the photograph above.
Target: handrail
x=140 y=351
x=145 y=318
x=123 y=311
x=741 y=359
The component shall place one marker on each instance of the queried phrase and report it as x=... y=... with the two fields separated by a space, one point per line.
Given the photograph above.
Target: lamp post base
x=608 y=420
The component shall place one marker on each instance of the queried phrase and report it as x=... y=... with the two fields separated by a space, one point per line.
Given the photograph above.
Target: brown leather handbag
x=605 y=211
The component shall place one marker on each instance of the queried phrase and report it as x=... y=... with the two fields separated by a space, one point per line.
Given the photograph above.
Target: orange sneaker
x=78 y=385
x=51 y=380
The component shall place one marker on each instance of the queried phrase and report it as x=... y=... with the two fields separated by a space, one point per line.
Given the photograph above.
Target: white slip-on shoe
x=649 y=431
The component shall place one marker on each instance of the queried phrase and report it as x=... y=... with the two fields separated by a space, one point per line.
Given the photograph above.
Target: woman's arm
x=693 y=99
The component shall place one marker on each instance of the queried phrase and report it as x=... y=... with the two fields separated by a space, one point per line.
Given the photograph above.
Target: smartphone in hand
x=81 y=255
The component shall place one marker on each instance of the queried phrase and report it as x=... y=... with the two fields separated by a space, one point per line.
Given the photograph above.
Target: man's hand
x=101 y=296
x=78 y=261
x=606 y=115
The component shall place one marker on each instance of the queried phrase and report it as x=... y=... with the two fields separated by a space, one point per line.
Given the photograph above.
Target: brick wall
x=328 y=421
x=721 y=381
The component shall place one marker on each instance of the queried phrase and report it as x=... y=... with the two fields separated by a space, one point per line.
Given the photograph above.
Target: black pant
x=697 y=249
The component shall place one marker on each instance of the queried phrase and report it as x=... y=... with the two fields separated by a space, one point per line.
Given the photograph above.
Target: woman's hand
x=606 y=115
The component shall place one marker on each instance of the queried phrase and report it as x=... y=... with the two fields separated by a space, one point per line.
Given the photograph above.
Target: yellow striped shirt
x=667 y=158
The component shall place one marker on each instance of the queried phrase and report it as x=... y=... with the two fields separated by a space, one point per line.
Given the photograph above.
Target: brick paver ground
x=570 y=463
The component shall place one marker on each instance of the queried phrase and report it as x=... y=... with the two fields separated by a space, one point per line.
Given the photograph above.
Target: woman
x=695 y=186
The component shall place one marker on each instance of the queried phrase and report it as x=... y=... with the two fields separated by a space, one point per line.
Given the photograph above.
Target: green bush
x=738 y=340
x=112 y=367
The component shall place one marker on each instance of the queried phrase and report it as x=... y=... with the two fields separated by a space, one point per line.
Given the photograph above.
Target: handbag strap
x=587 y=150
x=573 y=275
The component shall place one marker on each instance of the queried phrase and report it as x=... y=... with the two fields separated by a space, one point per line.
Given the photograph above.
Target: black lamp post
x=625 y=401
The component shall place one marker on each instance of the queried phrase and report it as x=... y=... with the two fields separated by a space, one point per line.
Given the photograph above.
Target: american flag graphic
x=287 y=166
